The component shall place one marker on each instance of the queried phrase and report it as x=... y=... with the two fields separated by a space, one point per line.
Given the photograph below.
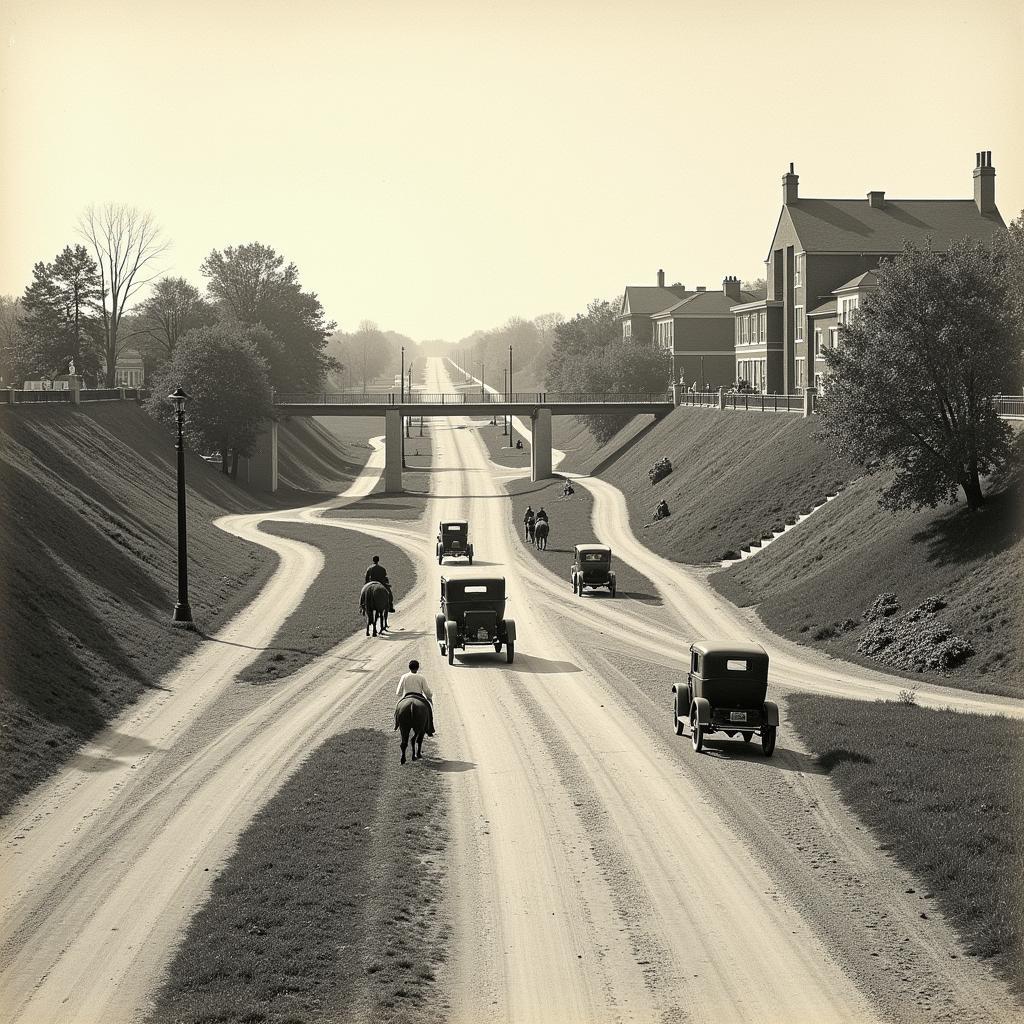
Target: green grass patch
x=944 y=792
x=331 y=907
x=497 y=446
x=329 y=612
x=570 y=525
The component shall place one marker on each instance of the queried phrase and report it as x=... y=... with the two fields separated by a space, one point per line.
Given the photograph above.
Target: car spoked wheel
x=696 y=733
x=768 y=740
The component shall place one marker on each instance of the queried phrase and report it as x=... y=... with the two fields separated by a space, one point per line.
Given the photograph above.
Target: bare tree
x=126 y=243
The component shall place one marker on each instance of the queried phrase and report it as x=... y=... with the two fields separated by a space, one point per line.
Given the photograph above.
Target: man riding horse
x=528 y=523
x=376 y=573
x=414 y=711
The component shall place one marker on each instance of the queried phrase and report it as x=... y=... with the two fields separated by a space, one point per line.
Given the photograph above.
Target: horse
x=411 y=715
x=374 y=602
x=540 y=534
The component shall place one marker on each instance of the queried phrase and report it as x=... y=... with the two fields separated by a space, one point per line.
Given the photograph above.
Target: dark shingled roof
x=652 y=299
x=853 y=225
x=715 y=303
x=826 y=307
x=865 y=280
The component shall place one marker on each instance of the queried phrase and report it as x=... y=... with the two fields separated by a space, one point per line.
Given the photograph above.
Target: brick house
x=640 y=301
x=824 y=247
x=698 y=331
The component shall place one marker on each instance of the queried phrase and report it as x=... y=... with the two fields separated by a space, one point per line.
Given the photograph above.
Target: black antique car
x=473 y=615
x=725 y=692
x=591 y=567
x=453 y=540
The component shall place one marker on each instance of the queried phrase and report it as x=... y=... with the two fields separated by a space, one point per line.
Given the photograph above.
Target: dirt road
x=602 y=871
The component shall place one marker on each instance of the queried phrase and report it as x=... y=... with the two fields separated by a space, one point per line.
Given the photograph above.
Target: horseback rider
x=567 y=489
x=376 y=573
x=662 y=511
x=412 y=684
x=541 y=514
x=528 y=521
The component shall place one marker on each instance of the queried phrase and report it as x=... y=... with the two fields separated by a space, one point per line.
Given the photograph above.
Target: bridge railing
x=1009 y=405
x=470 y=397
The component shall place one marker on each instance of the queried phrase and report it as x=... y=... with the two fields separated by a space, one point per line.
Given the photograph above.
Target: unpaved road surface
x=601 y=871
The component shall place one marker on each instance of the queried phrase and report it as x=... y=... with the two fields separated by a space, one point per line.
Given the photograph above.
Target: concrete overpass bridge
x=394 y=407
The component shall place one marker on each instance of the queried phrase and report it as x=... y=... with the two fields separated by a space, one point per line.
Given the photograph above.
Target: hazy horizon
x=439 y=168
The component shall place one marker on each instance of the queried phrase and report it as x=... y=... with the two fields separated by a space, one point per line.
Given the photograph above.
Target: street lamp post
x=182 y=610
x=504 y=418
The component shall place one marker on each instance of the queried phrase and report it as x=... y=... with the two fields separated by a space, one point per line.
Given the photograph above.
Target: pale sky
x=441 y=166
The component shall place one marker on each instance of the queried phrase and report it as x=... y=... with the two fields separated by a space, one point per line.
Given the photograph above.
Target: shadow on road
x=782 y=760
x=523 y=663
x=438 y=765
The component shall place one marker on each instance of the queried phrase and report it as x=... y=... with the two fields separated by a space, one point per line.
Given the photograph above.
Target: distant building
x=130 y=369
x=640 y=301
x=822 y=253
x=698 y=331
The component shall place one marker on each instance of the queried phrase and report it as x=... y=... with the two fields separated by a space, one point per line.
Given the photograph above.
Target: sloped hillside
x=954 y=575
x=322 y=455
x=88 y=564
x=736 y=475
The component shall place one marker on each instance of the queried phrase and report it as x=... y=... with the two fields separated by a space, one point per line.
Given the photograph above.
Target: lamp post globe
x=182 y=609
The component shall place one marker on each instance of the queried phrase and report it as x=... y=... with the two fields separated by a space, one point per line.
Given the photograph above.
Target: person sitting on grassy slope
x=412 y=684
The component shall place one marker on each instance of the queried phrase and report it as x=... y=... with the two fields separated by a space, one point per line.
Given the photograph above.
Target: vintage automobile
x=591 y=567
x=473 y=615
x=725 y=692
x=453 y=540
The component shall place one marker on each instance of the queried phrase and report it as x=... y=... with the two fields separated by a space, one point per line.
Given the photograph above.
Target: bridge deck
x=462 y=404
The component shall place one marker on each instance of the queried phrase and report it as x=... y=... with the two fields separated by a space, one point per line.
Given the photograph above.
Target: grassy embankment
x=945 y=792
x=331 y=906
x=88 y=563
x=738 y=475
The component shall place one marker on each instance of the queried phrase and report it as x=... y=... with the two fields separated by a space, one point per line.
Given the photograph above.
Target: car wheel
x=440 y=559
x=612 y=589
x=443 y=649
x=696 y=732
x=510 y=651
x=676 y=724
x=451 y=655
x=768 y=739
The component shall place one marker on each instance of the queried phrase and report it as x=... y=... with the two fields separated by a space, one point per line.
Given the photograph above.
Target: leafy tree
x=589 y=355
x=12 y=341
x=222 y=370
x=126 y=243
x=759 y=286
x=59 y=315
x=172 y=308
x=366 y=354
x=253 y=285
x=912 y=379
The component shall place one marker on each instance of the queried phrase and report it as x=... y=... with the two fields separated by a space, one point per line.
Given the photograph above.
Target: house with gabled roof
x=639 y=301
x=698 y=331
x=821 y=245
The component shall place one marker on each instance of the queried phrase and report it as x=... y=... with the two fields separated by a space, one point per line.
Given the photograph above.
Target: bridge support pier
x=540 y=444
x=393 y=451
x=261 y=466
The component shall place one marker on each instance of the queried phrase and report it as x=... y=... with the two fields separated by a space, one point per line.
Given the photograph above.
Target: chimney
x=790 y=182
x=876 y=200
x=661 y=278
x=731 y=287
x=984 y=183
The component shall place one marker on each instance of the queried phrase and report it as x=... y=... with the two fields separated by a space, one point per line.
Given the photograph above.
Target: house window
x=798 y=323
x=627 y=330
x=847 y=308
x=764 y=375
x=800 y=372
x=798 y=270
x=817 y=381
x=763 y=318
x=817 y=341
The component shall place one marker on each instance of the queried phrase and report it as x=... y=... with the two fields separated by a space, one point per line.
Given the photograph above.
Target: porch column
x=262 y=464
x=393 y=450
x=540 y=444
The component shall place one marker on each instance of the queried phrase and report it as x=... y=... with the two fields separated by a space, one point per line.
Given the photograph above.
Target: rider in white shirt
x=412 y=683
